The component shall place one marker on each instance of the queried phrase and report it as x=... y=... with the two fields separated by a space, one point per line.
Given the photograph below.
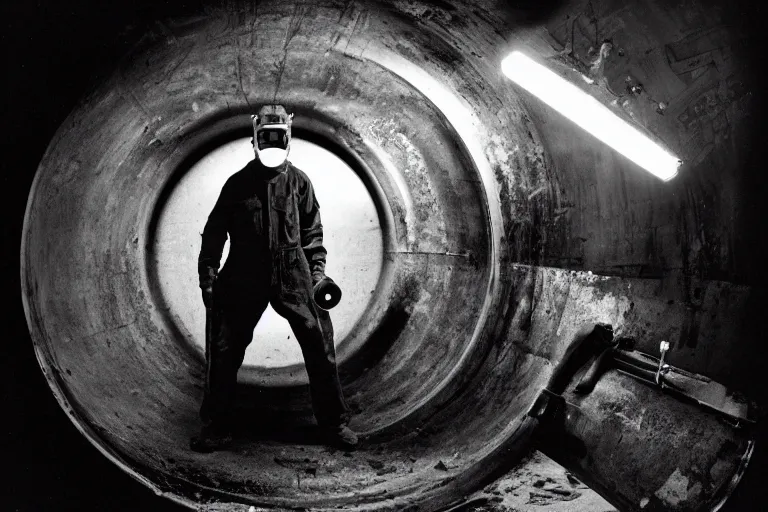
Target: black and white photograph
x=384 y=255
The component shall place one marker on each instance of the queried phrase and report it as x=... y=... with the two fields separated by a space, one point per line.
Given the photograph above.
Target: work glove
x=317 y=276
x=207 y=277
x=207 y=296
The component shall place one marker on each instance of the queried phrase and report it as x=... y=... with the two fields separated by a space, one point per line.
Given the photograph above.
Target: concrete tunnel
x=479 y=233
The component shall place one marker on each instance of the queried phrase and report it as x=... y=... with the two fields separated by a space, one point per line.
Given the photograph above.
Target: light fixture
x=589 y=114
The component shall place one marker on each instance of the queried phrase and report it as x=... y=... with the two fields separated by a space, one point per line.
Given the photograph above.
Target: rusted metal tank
x=645 y=435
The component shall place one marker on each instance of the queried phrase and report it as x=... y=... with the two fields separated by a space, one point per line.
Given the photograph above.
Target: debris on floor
x=441 y=466
x=537 y=484
x=375 y=464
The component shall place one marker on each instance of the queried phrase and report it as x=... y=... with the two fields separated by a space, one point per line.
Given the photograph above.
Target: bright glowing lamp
x=589 y=114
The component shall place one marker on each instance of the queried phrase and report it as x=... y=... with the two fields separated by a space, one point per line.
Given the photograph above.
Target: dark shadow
x=383 y=337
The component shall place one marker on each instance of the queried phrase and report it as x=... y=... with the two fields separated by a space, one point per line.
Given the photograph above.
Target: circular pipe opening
x=352 y=236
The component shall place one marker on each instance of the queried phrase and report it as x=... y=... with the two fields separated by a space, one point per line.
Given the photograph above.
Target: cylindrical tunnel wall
x=473 y=182
x=423 y=340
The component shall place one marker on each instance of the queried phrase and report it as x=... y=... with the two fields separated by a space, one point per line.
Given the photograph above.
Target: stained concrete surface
x=684 y=289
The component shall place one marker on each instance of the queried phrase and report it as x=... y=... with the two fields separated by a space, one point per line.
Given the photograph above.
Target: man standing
x=276 y=257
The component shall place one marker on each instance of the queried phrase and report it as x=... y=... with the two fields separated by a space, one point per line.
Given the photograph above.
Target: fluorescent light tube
x=589 y=114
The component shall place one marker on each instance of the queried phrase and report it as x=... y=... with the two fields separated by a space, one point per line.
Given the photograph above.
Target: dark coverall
x=276 y=255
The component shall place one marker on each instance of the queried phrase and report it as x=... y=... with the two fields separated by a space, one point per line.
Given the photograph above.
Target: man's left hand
x=317 y=277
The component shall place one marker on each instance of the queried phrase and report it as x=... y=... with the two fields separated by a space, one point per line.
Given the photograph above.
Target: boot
x=342 y=437
x=211 y=440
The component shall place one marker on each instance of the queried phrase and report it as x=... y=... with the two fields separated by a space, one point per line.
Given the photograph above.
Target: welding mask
x=272 y=135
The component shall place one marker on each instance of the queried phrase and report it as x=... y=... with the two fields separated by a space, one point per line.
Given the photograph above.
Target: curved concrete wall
x=474 y=182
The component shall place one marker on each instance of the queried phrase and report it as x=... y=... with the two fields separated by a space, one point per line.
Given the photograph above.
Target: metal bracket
x=653 y=371
x=685 y=385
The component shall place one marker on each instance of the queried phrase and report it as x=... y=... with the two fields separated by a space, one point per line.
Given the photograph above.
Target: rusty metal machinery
x=645 y=435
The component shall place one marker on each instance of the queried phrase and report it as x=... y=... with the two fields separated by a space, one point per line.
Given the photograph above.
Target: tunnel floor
x=536 y=484
x=298 y=454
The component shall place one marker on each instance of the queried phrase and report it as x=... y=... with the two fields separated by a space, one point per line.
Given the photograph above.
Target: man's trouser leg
x=293 y=301
x=225 y=353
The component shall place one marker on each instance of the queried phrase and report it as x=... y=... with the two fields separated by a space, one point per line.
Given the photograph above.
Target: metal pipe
x=641 y=446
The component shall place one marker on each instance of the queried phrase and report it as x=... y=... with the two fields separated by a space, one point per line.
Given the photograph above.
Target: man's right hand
x=208 y=296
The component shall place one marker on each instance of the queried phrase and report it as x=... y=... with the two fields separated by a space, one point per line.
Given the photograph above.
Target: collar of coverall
x=269 y=174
